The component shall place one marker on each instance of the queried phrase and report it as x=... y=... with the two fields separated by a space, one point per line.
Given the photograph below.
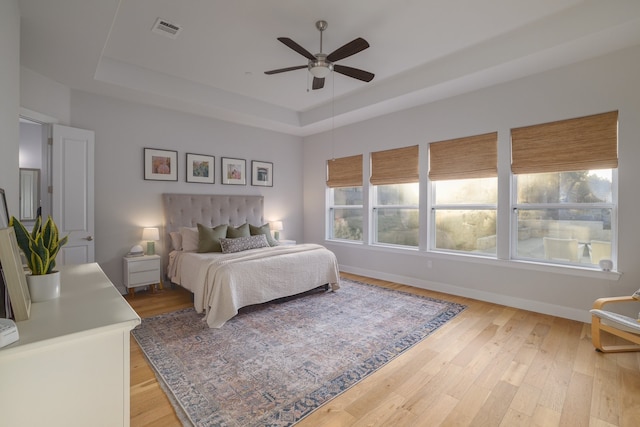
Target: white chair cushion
x=620 y=321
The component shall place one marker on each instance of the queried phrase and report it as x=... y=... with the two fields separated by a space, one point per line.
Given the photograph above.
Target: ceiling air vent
x=166 y=28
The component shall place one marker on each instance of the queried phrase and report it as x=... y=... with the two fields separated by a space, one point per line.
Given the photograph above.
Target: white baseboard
x=520 y=303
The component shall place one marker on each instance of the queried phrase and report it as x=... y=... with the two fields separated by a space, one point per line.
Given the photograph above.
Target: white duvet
x=224 y=283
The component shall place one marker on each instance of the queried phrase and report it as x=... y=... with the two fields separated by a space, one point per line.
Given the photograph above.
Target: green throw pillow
x=263 y=229
x=240 y=231
x=209 y=238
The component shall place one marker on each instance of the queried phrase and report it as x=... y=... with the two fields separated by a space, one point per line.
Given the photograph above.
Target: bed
x=222 y=283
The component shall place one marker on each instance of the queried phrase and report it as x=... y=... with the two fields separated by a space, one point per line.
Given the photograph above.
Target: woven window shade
x=345 y=172
x=462 y=158
x=568 y=145
x=397 y=166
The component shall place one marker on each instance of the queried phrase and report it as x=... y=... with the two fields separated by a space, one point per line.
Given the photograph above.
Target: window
x=464 y=215
x=346 y=213
x=344 y=182
x=564 y=217
x=565 y=176
x=395 y=215
x=464 y=194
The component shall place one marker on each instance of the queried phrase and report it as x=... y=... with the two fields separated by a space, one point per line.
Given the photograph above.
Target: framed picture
x=261 y=173
x=5 y=306
x=200 y=168
x=160 y=165
x=14 y=277
x=234 y=171
x=4 y=211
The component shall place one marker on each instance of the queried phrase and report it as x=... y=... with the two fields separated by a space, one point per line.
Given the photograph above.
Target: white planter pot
x=44 y=287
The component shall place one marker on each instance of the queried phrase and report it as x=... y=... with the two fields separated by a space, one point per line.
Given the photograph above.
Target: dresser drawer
x=144 y=265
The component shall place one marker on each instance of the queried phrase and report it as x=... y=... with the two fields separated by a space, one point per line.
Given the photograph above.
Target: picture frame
x=261 y=173
x=5 y=304
x=200 y=168
x=4 y=210
x=160 y=165
x=14 y=278
x=234 y=171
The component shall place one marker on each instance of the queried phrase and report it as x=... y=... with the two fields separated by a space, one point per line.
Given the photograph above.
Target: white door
x=72 y=193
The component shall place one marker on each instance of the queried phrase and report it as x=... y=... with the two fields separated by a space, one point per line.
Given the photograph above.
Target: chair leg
x=595 y=333
x=596 y=337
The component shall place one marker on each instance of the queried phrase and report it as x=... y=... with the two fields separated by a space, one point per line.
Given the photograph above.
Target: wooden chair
x=616 y=324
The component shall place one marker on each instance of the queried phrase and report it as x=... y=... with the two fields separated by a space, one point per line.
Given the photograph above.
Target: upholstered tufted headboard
x=187 y=210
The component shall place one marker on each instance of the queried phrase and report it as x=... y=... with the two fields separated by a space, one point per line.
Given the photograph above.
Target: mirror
x=29 y=194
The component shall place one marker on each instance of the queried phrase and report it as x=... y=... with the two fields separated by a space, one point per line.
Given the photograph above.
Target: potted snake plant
x=40 y=248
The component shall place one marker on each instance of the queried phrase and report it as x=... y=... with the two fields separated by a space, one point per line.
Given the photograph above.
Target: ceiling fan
x=321 y=64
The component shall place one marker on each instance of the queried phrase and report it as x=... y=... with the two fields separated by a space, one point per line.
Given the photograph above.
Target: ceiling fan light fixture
x=320 y=67
x=320 y=70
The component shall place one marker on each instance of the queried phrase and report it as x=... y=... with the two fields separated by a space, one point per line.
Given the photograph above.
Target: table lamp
x=276 y=227
x=151 y=235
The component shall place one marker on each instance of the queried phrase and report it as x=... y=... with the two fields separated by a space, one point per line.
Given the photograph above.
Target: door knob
x=89 y=238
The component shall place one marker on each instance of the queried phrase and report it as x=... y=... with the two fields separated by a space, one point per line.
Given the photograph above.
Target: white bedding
x=223 y=283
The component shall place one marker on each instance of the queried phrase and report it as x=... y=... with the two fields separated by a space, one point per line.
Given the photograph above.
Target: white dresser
x=70 y=366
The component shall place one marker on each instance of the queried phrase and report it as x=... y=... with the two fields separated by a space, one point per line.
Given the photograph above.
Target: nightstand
x=287 y=242
x=141 y=271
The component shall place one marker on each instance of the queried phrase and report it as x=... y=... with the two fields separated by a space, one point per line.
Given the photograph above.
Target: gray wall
x=599 y=85
x=9 y=100
x=30 y=145
x=125 y=202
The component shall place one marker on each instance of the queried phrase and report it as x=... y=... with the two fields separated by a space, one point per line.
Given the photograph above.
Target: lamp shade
x=275 y=225
x=151 y=234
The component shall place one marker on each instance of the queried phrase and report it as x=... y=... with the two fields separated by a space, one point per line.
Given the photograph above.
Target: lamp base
x=276 y=235
x=151 y=248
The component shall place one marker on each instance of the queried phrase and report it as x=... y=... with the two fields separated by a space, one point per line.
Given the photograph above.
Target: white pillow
x=176 y=240
x=189 y=238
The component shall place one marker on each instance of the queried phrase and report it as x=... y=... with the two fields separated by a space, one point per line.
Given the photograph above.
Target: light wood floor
x=490 y=366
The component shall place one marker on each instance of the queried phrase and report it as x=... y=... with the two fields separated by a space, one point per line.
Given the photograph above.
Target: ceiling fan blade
x=356 y=73
x=295 y=46
x=282 y=70
x=348 y=49
x=318 y=83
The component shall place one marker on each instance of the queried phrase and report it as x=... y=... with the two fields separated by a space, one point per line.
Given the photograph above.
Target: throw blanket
x=260 y=275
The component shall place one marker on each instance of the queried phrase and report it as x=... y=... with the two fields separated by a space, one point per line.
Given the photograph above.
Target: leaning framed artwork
x=4 y=211
x=234 y=171
x=200 y=168
x=261 y=173
x=14 y=277
x=160 y=165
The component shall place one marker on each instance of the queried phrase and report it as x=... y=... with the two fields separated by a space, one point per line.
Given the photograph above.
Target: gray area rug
x=275 y=363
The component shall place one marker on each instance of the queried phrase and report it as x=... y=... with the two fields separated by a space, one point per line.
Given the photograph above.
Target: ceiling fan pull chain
x=333 y=116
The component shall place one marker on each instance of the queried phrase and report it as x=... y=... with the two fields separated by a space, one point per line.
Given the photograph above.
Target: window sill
x=344 y=242
x=570 y=270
